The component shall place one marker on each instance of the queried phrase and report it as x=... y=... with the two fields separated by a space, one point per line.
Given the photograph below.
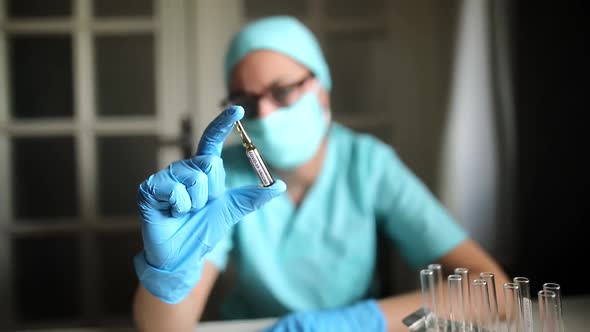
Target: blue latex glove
x=185 y=211
x=361 y=317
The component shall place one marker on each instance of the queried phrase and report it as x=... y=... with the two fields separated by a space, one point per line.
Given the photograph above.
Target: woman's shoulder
x=360 y=147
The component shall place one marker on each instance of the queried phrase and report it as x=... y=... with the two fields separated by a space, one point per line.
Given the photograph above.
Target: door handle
x=185 y=141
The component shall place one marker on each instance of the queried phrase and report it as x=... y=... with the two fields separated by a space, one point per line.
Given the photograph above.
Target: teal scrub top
x=322 y=254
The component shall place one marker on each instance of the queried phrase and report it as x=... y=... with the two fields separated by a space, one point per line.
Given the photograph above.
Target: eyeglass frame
x=248 y=101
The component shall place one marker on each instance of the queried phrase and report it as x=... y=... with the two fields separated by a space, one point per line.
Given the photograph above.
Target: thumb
x=241 y=201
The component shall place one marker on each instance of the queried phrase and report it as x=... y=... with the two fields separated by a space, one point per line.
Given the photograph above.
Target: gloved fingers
x=217 y=131
x=212 y=166
x=162 y=187
x=180 y=200
x=195 y=181
x=211 y=224
x=241 y=201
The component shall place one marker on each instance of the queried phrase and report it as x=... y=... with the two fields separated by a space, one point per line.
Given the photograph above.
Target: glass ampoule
x=254 y=157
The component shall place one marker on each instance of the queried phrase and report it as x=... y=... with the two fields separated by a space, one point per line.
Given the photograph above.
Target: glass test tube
x=254 y=157
x=526 y=309
x=512 y=306
x=456 y=306
x=466 y=289
x=482 y=314
x=548 y=311
x=441 y=313
x=428 y=299
x=556 y=288
x=490 y=279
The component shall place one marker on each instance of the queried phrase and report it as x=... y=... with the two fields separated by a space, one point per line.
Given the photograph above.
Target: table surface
x=576 y=314
x=253 y=325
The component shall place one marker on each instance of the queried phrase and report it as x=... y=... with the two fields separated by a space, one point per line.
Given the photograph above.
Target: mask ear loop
x=316 y=88
x=328 y=115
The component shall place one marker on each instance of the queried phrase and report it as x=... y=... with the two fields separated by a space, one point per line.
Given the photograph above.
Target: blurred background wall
x=480 y=98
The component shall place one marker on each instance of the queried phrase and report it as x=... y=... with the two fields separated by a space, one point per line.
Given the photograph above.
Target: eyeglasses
x=280 y=95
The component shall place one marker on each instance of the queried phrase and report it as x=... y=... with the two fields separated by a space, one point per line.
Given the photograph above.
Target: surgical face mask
x=290 y=136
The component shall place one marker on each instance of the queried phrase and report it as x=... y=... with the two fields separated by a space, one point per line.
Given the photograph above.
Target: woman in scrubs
x=305 y=252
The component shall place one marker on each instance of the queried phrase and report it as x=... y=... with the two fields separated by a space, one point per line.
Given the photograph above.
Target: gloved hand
x=185 y=211
x=361 y=317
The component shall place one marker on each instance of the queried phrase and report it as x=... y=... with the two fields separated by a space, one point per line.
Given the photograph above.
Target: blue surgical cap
x=282 y=34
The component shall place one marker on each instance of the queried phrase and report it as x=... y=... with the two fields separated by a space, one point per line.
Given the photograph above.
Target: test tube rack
x=472 y=306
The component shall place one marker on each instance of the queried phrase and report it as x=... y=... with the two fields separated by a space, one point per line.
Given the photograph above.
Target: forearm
x=397 y=307
x=151 y=314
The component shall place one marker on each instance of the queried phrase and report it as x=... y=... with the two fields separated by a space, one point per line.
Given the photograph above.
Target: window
x=82 y=115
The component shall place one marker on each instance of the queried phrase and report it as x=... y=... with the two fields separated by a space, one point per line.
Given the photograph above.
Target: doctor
x=304 y=249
